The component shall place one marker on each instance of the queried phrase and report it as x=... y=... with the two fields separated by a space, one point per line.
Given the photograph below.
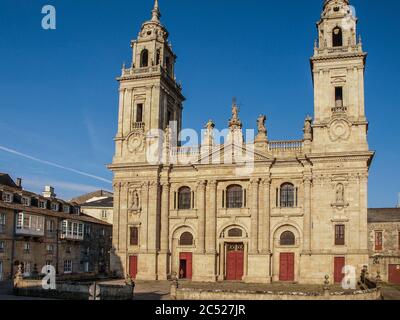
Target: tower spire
x=155 y=13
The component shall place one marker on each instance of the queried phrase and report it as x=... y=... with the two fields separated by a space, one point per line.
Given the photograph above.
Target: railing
x=185 y=151
x=339 y=109
x=285 y=145
x=138 y=125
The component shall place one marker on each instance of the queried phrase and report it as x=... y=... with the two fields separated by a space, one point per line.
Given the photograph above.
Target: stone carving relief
x=340 y=201
x=135 y=142
x=339 y=130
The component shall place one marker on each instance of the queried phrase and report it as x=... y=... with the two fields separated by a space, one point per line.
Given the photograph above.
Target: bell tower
x=338 y=66
x=150 y=96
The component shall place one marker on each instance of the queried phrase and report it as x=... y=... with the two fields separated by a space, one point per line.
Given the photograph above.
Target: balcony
x=29 y=225
x=72 y=230
x=285 y=146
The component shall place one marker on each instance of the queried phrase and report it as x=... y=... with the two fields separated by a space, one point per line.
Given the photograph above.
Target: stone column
x=266 y=217
x=164 y=238
x=254 y=216
x=307 y=216
x=121 y=112
x=211 y=217
x=201 y=213
x=152 y=231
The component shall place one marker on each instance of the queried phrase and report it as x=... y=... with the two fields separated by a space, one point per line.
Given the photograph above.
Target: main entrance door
x=394 y=273
x=286 y=267
x=133 y=266
x=185 y=265
x=338 y=270
x=235 y=262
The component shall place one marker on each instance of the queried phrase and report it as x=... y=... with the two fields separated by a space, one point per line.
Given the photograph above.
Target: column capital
x=254 y=181
x=212 y=183
x=307 y=179
x=266 y=181
x=201 y=184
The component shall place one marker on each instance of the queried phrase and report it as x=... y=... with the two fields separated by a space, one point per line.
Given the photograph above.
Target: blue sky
x=58 y=94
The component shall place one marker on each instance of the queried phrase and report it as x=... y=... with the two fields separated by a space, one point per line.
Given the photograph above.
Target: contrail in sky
x=54 y=164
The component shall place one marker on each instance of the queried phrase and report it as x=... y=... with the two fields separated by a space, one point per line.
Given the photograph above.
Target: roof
x=6 y=180
x=46 y=212
x=384 y=215
x=85 y=197
x=102 y=203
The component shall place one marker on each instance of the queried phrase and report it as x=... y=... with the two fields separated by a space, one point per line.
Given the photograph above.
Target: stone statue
x=340 y=193
x=135 y=201
x=235 y=122
x=261 y=124
x=210 y=125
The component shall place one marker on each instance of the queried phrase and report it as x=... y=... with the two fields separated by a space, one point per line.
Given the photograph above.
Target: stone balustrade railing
x=295 y=145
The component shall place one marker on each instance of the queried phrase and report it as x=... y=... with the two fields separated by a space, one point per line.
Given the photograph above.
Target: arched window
x=234 y=197
x=287 y=239
x=235 y=233
x=287 y=195
x=337 y=37
x=184 y=198
x=144 y=58
x=186 y=239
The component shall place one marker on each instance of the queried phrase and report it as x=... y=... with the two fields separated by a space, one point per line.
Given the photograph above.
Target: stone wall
x=196 y=294
x=72 y=291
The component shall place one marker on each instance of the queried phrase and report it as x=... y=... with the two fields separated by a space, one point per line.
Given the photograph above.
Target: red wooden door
x=286 y=269
x=394 y=273
x=133 y=266
x=338 y=270
x=186 y=260
x=234 y=265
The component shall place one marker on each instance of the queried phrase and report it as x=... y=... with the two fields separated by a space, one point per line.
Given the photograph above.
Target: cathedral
x=261 y=211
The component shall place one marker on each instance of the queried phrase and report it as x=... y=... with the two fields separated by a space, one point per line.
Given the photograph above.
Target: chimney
x=18 y=182
x=48 y=192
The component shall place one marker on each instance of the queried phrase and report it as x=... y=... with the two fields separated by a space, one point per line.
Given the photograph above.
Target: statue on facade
x=235 y=122
x=261 y=124
x=135 y=200
x=340 y=193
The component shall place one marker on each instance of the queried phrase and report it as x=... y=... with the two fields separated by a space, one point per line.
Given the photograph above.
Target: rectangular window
x=2 y=246
x=50 y=225
x=134 y=238
x=27 y=247
x=339 y=96
x=378 y=240
x=2 y=222
x=104 y=214
x=87 y=230
x=26 y=201
x=339 y=235
x=80 y=230
x=66 y=209
x=54 y=207
x=77 y=210
x=68 y=249
x=139 y=112
x=103 y=232
x=42 y=204
x=50 y=248
x=8 y=197
x=68 y=266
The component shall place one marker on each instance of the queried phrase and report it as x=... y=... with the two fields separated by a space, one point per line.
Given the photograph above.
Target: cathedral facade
x=259 y=212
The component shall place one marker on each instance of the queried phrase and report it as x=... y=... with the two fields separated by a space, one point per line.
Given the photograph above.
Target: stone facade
x=36 y=230
x=252 y=209
x=384 y=243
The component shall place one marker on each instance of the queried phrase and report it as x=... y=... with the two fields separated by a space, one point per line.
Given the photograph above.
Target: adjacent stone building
x=384 y=243
x=38 y=230
x=98 y=204
x=261 y=211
